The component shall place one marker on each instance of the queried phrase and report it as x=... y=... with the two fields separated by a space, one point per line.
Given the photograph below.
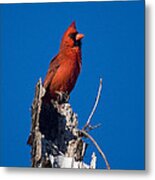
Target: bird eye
x=72 y=35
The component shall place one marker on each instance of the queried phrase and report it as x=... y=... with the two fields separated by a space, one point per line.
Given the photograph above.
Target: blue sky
x=113 y=49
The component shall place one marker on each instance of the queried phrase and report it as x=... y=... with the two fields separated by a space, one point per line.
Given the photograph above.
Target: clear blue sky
x=113 y=48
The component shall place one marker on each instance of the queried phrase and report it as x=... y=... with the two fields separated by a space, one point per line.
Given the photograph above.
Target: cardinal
x=65 y=67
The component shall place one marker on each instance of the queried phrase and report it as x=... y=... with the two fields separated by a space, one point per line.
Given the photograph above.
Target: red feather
x=64 y=68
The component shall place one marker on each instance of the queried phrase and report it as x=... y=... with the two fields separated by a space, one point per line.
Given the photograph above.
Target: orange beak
x=79 y=36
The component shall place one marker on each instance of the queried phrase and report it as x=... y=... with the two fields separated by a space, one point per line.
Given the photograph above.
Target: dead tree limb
x=95 y=106
x=55 y=139
x=97 y=146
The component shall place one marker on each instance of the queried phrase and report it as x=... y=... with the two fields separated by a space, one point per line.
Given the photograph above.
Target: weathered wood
x=55 y=139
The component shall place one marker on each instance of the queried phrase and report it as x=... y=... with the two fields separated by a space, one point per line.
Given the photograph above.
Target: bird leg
x=62 y=97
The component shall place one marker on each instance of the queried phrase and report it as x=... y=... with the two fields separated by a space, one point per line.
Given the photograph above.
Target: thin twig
x=95 y=105
x=97 y=146
x=90 y=127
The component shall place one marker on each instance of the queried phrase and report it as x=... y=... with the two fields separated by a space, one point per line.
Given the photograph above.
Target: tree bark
x=55 y=139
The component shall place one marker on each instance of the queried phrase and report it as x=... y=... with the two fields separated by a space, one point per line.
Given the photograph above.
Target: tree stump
x=55 y=139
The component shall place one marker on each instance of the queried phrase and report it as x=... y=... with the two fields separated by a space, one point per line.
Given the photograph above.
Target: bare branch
x=97 y=146
x=95 y=105
x=90 y=127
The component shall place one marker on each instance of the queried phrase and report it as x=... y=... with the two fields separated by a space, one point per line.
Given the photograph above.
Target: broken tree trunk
x=55 y=138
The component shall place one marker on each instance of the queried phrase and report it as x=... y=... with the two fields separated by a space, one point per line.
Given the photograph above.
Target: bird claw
x=62 y=97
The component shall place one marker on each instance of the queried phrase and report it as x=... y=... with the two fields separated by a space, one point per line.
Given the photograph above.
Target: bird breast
x=67 y=73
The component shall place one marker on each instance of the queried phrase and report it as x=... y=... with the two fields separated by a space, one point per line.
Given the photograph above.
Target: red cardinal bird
x=62 y=73
x=65 y=66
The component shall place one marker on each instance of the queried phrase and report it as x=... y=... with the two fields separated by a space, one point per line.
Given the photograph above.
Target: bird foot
x=62 y=97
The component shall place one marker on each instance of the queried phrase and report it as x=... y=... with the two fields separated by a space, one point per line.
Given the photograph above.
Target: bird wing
x=53 y=67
